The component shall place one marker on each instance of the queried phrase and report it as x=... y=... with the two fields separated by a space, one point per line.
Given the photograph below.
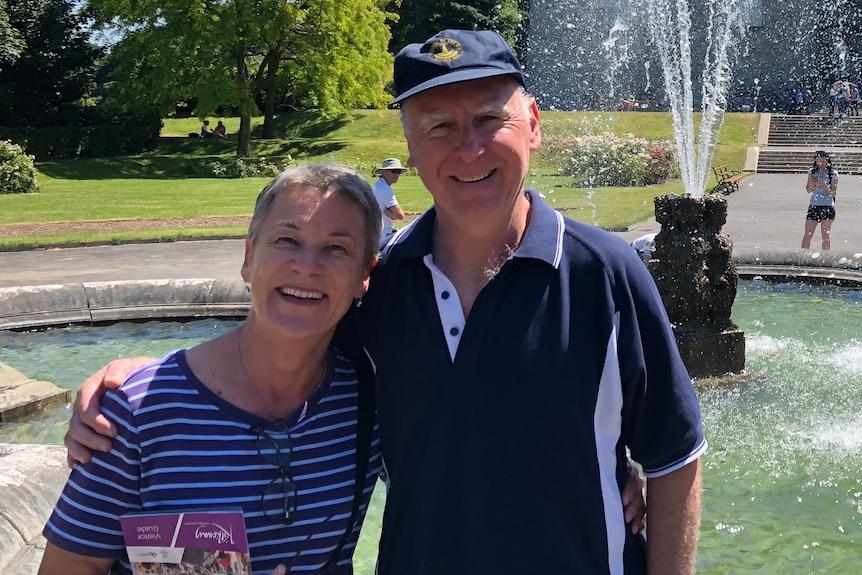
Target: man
x=390 y=171
x=645 y=246
x=514 y=355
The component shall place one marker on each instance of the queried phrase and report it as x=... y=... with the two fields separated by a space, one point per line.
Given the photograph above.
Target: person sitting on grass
x=220 y=130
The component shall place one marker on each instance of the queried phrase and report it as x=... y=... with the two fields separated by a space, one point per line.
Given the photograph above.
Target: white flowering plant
x=17 y=171
x=610 y=160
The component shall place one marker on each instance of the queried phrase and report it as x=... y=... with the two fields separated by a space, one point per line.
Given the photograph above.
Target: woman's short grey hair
x=326 y=178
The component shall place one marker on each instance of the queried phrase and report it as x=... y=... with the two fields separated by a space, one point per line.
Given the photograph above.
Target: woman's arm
x=811 y=184
x=56 y=561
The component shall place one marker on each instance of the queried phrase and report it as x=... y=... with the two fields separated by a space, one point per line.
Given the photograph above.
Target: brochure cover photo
x=176 y=543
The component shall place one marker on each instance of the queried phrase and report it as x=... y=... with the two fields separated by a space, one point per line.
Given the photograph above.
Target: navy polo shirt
x=506 y=451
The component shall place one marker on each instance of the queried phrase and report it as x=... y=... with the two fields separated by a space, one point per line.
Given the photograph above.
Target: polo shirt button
x=453 y=331
x=445 y=295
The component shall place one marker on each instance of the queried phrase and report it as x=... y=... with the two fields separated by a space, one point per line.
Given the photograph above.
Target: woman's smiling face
x=306 y=265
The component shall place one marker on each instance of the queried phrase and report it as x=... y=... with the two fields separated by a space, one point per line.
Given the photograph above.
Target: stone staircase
x=792 y=141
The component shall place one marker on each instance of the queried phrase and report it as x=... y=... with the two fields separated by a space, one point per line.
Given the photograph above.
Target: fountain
x=694 y=272
x=609 y=47
x=693 y=267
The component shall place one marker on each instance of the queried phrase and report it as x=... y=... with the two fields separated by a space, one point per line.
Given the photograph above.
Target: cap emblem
x=445 y=50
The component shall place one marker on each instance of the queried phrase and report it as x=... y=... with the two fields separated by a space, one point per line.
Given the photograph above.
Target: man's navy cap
x=453 y=56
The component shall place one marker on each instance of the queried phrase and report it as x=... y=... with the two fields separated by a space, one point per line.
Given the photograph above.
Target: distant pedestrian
x=807 y=99
x=797 y=101
x=823 y=187
x=841 y=99
x=389 y=173
x=645 y=246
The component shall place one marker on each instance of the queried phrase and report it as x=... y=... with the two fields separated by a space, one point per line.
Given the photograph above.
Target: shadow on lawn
x=301 y=125
x=178 y=158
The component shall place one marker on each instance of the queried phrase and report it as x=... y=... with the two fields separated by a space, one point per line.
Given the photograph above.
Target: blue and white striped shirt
x=180 y=446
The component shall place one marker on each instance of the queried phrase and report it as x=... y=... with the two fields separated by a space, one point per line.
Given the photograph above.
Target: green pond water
x=783 y=474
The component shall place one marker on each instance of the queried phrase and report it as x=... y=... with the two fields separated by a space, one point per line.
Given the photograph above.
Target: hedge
x=86 y=141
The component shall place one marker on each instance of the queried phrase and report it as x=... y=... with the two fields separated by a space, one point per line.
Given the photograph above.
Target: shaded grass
x=159 y=184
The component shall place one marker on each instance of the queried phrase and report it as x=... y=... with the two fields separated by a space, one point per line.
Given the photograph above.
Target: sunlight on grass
x=86 y=238
x=162 y=184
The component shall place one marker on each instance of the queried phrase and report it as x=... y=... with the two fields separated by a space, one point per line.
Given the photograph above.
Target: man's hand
x=634 y=505
x=89 y=430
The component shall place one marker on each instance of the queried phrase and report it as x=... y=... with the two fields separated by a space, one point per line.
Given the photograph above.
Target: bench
x=727 y=180
x=627 y=105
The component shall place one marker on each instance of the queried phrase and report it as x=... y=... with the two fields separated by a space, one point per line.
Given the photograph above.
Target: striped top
x=180 y=446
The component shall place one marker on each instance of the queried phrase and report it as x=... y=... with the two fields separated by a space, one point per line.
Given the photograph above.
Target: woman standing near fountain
x=264 y=417
x=823 y=187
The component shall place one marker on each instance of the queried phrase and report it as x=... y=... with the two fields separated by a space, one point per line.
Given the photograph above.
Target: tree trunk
x=269 y=114
x=268 y=87
x=244 y=136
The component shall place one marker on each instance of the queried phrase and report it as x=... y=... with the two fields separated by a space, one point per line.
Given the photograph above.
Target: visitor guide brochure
x=201 y=542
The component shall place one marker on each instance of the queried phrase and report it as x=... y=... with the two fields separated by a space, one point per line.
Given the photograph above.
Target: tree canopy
x=420 y=19
x=46 y=63
x=11 y=43
x=244 y=55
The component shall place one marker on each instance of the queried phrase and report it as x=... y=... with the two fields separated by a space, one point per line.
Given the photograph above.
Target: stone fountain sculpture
x=697 y=279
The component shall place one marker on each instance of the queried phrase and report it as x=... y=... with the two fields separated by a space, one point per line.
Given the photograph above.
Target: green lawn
x=161 y=184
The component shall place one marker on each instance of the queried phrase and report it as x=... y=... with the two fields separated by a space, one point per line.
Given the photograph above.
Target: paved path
x=767 y=213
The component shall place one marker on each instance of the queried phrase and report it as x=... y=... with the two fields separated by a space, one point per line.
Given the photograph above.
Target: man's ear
x=535 y=129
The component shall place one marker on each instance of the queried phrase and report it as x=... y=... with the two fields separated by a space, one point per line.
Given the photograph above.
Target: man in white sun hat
x=389 y=173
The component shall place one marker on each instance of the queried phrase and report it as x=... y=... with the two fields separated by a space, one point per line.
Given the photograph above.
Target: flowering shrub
x=610 y=160
x=17 y=172
x=247 y=167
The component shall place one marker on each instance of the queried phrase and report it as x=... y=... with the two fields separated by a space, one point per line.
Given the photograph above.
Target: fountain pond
x=782 y=487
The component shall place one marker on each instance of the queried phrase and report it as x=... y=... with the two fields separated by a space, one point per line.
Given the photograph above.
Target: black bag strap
x=346 y=339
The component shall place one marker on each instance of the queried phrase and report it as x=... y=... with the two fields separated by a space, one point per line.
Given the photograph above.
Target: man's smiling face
x=471 y=143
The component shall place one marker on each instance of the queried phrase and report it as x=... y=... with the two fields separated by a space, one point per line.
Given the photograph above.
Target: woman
x=263 y=417
x=220 y=130
x=823 y=187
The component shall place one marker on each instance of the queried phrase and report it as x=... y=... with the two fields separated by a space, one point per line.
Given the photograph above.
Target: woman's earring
x=357 y=303
x=247 y=287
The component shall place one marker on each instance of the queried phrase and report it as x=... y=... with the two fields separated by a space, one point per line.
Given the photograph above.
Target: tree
x=230 y=53
x=11 y=43
x=49 y=63
x=421 y=19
